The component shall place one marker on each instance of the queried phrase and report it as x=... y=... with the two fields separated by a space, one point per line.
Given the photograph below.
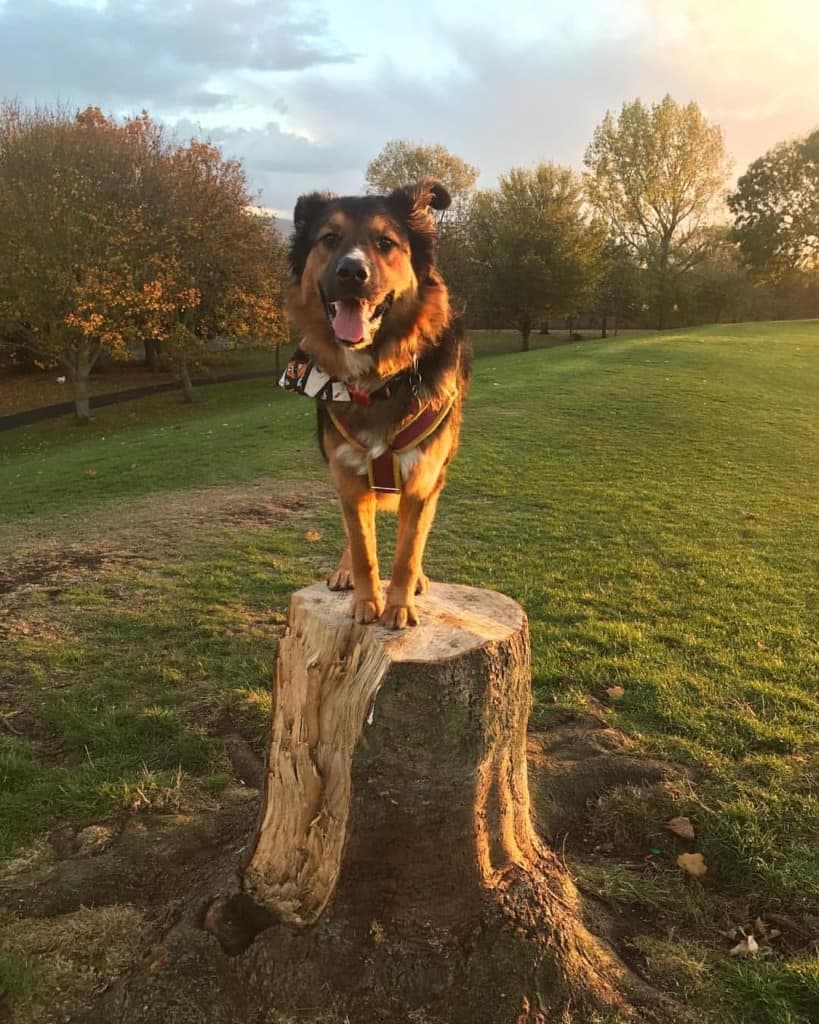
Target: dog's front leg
x=415 y=516
x=359 y=520
x=342 y=577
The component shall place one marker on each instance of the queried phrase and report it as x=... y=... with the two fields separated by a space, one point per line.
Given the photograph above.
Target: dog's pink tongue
x=348 y=323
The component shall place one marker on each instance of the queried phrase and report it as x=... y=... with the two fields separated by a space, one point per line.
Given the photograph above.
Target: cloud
x=306 y=94
x=159 y=53
x=282 y=164
x=503 y=105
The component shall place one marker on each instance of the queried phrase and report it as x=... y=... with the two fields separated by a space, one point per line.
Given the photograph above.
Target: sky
x=307 y=93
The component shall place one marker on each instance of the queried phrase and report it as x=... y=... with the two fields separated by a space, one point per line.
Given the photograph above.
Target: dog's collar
x=305 y=377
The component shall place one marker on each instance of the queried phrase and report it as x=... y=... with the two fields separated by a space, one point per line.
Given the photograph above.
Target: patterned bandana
x=304 y=377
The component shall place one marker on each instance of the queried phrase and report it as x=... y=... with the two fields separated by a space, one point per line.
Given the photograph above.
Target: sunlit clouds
x=307 y=93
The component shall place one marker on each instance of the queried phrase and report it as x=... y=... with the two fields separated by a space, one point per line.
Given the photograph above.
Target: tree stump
x=395 y=853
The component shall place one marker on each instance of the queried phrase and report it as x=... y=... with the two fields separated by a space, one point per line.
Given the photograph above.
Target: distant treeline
x=647 y=236
x=114 y=238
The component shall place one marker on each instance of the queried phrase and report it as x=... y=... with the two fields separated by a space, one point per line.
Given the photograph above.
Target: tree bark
x=185 y=380
x=152 y=354
x=525 y=328
x=82 y=404
x=395 y=870
x=79 y=359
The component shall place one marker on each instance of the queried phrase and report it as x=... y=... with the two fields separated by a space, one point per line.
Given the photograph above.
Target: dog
x=387 y=362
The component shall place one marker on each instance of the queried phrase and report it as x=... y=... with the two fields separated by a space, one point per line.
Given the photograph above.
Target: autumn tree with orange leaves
x=110 y=233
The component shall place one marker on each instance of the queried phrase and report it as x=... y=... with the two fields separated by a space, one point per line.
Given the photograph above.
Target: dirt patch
x=86 y=907
x=23 y=722
x=72 y=956
x=155 y=527
x=573 y=766
x=47 y=569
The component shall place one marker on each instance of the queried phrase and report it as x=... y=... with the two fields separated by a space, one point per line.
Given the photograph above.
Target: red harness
x=384 y=471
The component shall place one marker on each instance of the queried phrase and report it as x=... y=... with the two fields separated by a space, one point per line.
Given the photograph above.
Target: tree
x=720 y=286
x=776 y=210
x=402 y=161
x=655 y=174
x=72 y=231
x=110 y=234
x=538 y=254
x=619 y=288
x=223 y=263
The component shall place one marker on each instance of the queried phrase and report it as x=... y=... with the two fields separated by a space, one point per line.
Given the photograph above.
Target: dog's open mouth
x=355 y=321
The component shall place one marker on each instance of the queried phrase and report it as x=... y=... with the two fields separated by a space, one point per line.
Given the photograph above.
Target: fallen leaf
x=615 y=692
x=747 y=947
x=91 y=472
x=681 y=827
x=693 y=863
x=312 y=536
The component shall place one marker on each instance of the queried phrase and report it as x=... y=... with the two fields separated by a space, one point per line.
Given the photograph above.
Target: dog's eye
x=331 y=239
x=384 y=243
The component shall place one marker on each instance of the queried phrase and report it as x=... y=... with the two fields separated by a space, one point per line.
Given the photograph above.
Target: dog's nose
x=352 y=270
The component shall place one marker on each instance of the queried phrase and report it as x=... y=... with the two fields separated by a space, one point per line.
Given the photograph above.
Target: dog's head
x=358 y=262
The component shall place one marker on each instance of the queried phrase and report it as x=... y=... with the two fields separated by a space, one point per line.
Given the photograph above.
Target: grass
x=651 y=501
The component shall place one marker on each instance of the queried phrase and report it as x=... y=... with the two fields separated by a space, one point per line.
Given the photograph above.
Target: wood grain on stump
x=395 y=851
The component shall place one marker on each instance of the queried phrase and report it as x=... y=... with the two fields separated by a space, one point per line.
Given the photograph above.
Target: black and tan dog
x=387 y=364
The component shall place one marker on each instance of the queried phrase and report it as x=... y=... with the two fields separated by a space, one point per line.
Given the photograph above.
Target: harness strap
x=384 y=471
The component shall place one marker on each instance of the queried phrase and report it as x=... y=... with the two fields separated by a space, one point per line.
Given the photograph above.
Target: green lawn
x=651 y=501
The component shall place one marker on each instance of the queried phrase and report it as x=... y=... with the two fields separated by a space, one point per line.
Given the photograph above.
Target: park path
x=47 y=412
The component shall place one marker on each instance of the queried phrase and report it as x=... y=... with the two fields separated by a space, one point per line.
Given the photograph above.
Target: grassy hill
x=652 y=502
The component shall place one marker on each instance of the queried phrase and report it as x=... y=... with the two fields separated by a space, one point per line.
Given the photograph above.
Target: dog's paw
x=366 y=609
x=341 y=579
x=422 y=586
x=399 y=616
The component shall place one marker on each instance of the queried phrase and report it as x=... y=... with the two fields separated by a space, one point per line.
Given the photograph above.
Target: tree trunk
x=185 y=380
x=79 y=359
x=395 y=870
x=82 y=404
x=525 y=328
x=152 y=354
x=604 y=326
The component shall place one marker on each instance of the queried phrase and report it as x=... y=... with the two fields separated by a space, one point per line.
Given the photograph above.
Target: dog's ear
x=421 y=196
x=307 y=211
x=413 y=203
